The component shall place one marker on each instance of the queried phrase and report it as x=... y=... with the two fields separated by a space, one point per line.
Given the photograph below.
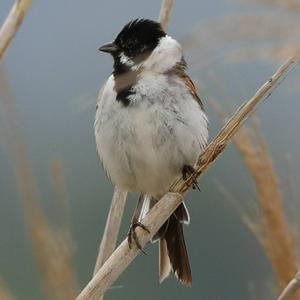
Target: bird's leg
x=136 y=223
x=187 y=171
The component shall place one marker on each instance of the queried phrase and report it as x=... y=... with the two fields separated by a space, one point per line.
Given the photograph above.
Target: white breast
x=144 y=146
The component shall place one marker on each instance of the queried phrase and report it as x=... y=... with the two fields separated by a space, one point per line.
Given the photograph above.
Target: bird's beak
x=109 y=48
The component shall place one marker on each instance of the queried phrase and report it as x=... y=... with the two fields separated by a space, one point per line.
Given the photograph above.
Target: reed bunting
x=150 y=128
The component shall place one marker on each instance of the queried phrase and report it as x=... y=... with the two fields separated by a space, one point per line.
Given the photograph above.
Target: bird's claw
x=131 y=236
x=187 y=171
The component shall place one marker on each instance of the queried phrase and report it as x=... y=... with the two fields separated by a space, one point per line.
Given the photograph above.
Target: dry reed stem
x=273 y=231
x=52 y=256
x=113 y=222
x=112 y=227
x=63 y=242
x=292 y=288
x=165 y=13
x=123 y=256
x=12 y=24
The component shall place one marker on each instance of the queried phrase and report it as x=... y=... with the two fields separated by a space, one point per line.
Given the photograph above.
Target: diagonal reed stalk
x=12 y=24
x=290 y=292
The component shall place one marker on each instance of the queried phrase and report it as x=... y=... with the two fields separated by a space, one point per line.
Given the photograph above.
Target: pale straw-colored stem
x=112 y=228
x=12 y=24
x=123 y=256
x=165 y=13
x=292 y=289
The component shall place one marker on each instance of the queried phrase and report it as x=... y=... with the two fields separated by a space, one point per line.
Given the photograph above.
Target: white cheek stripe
x=126 y=60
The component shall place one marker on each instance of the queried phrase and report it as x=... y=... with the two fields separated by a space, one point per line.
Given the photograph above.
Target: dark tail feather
x=173 y=254
x=172 y=249
x=181 y=214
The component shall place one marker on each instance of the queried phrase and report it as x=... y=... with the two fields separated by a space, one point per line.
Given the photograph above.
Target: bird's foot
x=131 y=236
x=189 y=171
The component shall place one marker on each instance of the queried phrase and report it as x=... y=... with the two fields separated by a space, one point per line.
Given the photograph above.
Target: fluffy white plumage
x=144 y=146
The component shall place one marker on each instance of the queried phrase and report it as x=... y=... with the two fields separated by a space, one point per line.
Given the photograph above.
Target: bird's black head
x=134 y=43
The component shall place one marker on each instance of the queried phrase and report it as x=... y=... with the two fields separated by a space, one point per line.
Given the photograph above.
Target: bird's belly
x=141 y=167
x=144 y=149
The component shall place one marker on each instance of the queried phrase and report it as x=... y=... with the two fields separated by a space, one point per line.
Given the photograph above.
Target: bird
x=150 y=127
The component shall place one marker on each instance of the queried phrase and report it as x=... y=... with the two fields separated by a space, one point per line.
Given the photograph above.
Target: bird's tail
x=172 y=249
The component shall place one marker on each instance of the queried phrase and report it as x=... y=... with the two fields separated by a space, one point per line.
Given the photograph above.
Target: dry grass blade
x=271 y=228
x=274 y=229
x=123 y=256
x=292 y=288
x=63 y=242
x=59 y=186
x=12 y=24
x=54 y=255
x=51 y=251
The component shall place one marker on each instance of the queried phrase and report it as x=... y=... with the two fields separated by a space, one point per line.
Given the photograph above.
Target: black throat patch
x=124 y=86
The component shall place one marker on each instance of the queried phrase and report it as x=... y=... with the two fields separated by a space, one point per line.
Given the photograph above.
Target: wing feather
x=180 y=70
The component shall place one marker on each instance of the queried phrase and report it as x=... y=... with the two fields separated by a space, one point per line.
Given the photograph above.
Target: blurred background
x=54 y=196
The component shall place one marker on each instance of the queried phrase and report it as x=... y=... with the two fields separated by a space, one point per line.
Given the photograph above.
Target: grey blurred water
x=55 y=71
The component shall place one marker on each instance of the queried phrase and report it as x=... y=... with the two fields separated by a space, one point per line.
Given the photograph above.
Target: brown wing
x=190 y=85
x=179 y=70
